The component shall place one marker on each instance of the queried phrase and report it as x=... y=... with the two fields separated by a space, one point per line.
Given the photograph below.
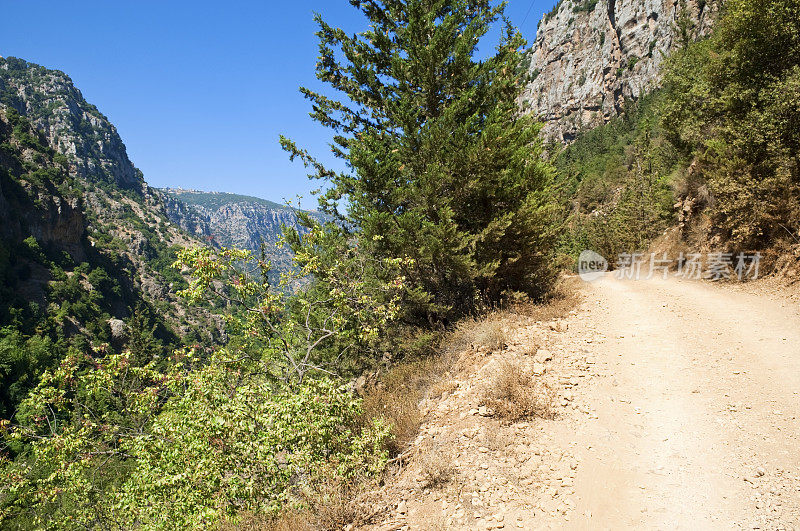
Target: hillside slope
x=122 y=213
x=85 y=245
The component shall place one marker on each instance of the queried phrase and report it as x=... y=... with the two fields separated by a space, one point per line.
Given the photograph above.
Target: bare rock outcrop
x=71 y=125
x=590 y=56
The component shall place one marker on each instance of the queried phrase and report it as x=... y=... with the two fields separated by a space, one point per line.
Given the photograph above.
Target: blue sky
x=200 y=90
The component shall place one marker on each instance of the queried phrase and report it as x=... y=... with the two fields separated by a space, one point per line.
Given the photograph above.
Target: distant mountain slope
x=216 y=200
x=86 y=246
x=231 y=220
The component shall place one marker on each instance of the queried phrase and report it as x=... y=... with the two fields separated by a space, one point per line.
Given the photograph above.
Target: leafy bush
x=119 y=445
x=128 y=440
x=335 y=320
x=734 y=105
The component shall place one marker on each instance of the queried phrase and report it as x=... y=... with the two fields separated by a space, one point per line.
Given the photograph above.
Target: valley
x=415 y=350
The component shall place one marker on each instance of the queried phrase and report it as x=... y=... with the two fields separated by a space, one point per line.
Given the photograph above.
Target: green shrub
x=734 y=105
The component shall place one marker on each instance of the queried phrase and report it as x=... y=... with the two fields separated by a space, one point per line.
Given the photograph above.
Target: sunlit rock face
x=590 y=56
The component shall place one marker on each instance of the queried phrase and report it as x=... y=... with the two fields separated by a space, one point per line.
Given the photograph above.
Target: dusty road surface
x=696 y=411
x=677 y=407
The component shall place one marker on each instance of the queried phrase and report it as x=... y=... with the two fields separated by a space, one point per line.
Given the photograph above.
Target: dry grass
x=339 y=503
x=488 y=331
x=514 y=395
x=332 y=504
x=436 y=468
x=564 y=298
x=288 y=520
x=396 y=397
x=445 y=386
x=399 y=409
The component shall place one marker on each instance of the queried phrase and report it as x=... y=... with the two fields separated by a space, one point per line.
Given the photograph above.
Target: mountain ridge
x=233 y=220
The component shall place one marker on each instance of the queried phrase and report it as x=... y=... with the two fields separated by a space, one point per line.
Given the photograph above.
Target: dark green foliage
x=444 y=170
x=585 y=6
x=146 y=335
x=685 y=26
x=734 y=105
x=615 y=183
x=553 y=12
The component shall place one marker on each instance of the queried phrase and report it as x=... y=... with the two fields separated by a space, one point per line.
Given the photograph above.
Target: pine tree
x=442 y=166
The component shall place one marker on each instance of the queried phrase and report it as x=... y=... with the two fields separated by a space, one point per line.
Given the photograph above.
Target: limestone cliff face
x=74 y=127
x=230 y=220
x=38 y=209
x=78 y=191
x=591 y=55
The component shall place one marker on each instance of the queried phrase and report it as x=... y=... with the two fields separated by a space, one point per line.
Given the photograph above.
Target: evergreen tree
x=442 y=167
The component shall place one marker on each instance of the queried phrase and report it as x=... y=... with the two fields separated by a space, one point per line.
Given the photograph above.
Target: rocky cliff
x=70 y=124
x=80 y=193
x=230 y=220
x=590 y=56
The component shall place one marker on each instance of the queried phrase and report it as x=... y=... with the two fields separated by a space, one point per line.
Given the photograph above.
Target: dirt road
x=697 y=413
x=678 y=407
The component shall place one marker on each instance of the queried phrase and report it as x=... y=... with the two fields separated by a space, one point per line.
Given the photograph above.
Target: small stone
x=539 y=369
x=402 y=508
x=760 y=472
x=543 y=355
